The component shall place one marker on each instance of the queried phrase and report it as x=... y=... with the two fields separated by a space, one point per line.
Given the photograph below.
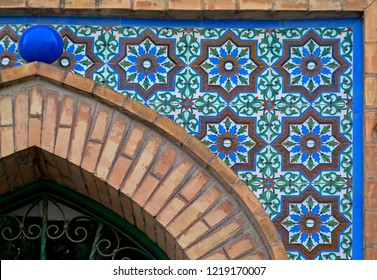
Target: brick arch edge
x=132 y=160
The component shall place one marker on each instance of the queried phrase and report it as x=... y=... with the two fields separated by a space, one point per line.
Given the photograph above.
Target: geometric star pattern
x=274 y=100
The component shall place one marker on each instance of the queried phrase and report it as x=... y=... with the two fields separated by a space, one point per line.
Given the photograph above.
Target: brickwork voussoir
x=127 y=157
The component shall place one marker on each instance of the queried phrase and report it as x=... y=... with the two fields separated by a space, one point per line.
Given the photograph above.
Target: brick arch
x=141 y=165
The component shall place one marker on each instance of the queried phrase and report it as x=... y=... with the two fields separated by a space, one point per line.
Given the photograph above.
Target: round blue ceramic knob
x=40 y=43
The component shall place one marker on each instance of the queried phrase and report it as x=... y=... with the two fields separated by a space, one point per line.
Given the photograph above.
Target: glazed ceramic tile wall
x=276 y=102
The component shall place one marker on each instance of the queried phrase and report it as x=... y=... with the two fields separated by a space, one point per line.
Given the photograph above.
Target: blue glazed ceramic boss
x=40 y=43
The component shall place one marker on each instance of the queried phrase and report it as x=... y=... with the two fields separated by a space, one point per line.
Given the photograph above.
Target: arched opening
x=45 y=220
x=134 y=162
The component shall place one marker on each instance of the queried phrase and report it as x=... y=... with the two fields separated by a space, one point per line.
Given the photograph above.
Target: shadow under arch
x=62 y=127
x=111 y=230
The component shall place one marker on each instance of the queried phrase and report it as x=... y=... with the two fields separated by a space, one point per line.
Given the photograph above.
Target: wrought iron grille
x=48 y=229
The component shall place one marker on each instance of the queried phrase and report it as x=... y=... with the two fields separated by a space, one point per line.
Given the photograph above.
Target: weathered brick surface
x=111 y=146
x=370 y=195
x=21 y=105
x=370 y=120
x=193 y=211
x=170 y=185
x=370 y=253
x=370 y=23
x=370 y=162
x=80 y=128
x=180 y=198
x=370 y=228
x=325 y=5
x=50 y=115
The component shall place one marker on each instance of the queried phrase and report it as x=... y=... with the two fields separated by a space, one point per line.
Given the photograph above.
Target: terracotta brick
x=62 y=141
x=370 y=253
x=101 y=123
x=127 y=208
x=239 y=246
x=49 y=120
x=356 y=5
x=267 y=228
x=370 y=121
x=370 y=195
x=140 y=111
x=223 y=172
x=111 y=147
x=82 y=4
x=150 y=227
x=6 y=110
x=36 y=101
x=160 y=237
x=370 y=162
x=91 y=185
x=255 y=4
x=168 y=186
x=370 y=226
x=217 y=255
x=370 y=23
x=118 y=4
x=371 y=92
x=134 y=140
x=19 y=72
x=179 y=254
x=7 y=141
x=139 y=218
x=119 y=171
x=165 y=162
x=197 y=150
x=79 y=132
x=101 y=185
x=295 y=5
x=192 y=234
x=174 y=131
x=142 y=164
x=21 y=105
x=149 y=5
x=13 y=4
x=105 y=199
x=35 y=129
x=219 y=8
x=62 y=165
x=194 y=185
x=27 y=174
x=249 y=201
x=216 y=238
x=109 y=96
x=325 y=5
x=67 y=110
x=76 y=171
x=184 y=5
x=194 y=210
x=219 y=213
x=52 y=73
x=91 y=155
x=171 y=210
x=170 y=241
x=370 y=52
x=145 y=190
x=254 y=256
x=219 y=4
x=45 y=4
x=79 y=82
x=116 y=206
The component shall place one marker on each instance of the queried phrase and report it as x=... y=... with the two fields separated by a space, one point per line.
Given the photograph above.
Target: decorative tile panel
x=275 y=100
